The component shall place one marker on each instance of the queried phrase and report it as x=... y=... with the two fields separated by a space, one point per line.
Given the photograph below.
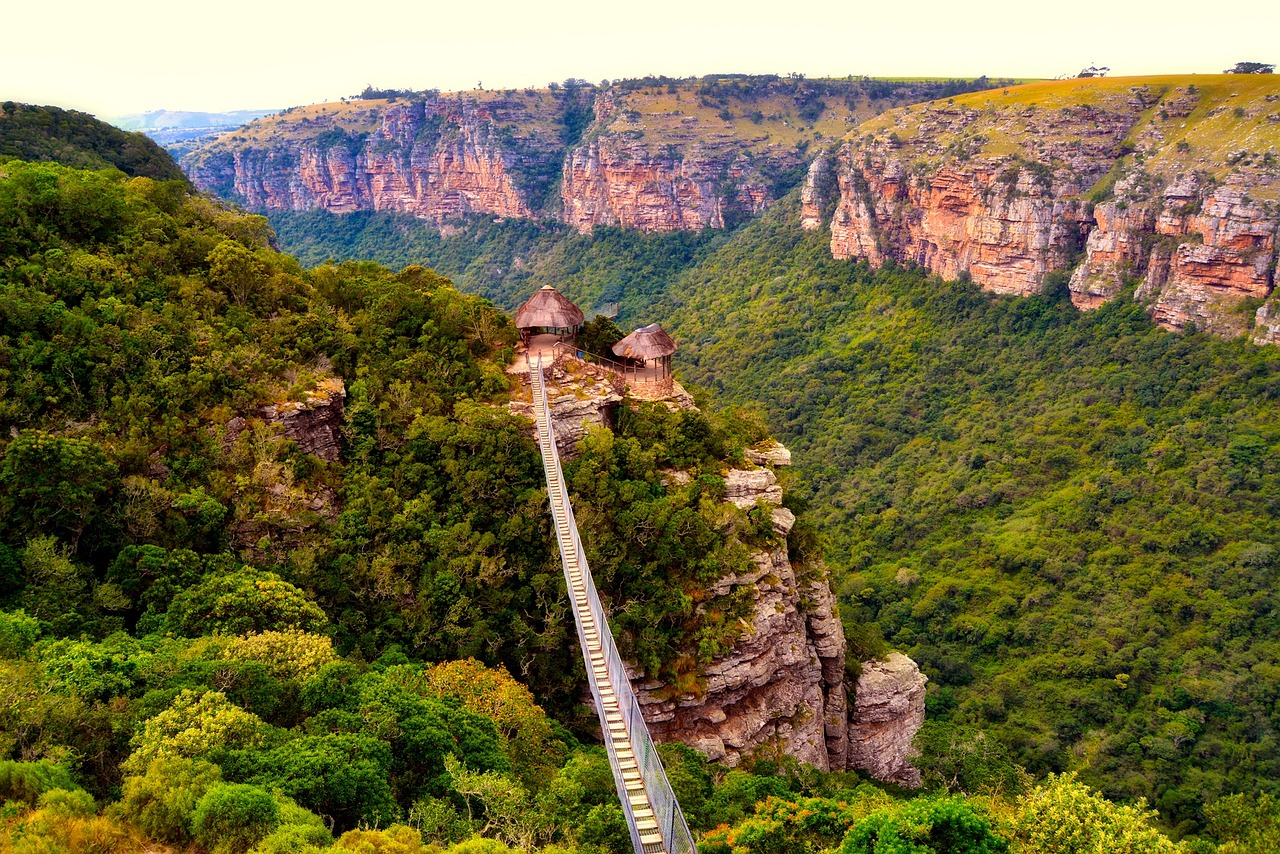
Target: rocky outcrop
x=816 y=191
x=888 y=709
x=314 y=424
x=993 y=188
x=580 y=400
x=782 y=689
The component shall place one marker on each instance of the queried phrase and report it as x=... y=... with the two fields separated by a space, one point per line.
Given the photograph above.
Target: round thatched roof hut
x=548 y=310
x=648 y=344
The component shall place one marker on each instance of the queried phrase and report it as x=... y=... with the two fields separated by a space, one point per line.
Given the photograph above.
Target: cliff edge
x=1167 y=185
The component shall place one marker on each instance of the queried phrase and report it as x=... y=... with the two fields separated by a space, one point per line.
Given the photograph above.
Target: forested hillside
x=33 y=132
x=1067 y=518
x=212 y=639
x=234 y=641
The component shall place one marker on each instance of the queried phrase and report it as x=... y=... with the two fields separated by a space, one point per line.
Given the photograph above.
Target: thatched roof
x=548 y=308
x=649 y=342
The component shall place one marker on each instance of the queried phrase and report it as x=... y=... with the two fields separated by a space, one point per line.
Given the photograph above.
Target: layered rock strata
x=436 y=158
x=314 y=424
x=782 y=689
x=1117 y=188
x=888 y=709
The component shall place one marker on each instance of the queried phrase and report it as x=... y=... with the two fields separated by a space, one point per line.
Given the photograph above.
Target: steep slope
x=1068 y=518
x=30 y=132
x=1169 y=182
x=654 y=154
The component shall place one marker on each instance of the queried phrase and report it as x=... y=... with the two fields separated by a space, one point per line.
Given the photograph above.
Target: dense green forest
x=507 y=260
x=1068 y=519
x=31 y=132
x=211 y=640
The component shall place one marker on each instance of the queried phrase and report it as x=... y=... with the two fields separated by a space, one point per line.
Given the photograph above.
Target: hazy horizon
x=150 y=55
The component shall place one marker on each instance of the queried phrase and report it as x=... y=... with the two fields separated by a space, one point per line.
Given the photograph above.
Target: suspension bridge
x=653 y=815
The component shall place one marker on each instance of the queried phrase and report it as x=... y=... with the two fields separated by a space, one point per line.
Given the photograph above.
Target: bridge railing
x=662 y=800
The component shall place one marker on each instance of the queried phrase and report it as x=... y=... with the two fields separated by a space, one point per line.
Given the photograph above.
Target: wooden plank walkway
x=613 y=723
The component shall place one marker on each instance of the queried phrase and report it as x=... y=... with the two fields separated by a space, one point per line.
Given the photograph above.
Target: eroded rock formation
x=436 y=158
x=314 y=424
x=1112 y=181
x=888 y=709
x=782 y=689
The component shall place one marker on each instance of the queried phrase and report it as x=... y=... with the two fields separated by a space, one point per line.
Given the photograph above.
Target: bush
x=1064 y=816
x=160 y=802
x=17 y=633
x=945 y=826
x=68 y=803
x=396 y=839
x=27 y=781
x=233 y=817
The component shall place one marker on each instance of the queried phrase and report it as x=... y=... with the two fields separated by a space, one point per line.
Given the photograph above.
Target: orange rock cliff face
x=653 y=154
x=1117 y=186
x=694 y=180
x=435 y=159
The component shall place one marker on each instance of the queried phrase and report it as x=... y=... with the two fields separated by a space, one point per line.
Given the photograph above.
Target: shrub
x=396 y=839
x=27 y=781
x=945 y=826
x=233 y=817
x=67 y=803
x=1064 y=816
x=17 y=633
x=161 y=801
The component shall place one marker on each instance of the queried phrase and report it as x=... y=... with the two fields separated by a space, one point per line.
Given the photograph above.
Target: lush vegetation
x=211 y=638
x=507 y=261
x=77 y=139
x=1068 y=519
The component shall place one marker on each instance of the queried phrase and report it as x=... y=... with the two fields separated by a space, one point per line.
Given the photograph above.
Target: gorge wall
x=783 y=689
x=653 y=154
x=1169 y=184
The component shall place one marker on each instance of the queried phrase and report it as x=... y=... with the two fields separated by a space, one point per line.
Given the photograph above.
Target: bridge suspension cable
x=653 y=815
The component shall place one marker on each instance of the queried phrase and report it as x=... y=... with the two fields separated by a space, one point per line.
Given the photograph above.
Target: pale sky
x=129 y=56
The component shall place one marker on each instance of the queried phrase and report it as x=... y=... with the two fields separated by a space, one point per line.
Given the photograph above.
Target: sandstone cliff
x=654 y=154
x=1165 y=183
x=434 y=157
x=782 y=689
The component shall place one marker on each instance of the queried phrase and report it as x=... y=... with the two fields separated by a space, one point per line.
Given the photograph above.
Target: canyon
x=655 y=155
x=1142 y=184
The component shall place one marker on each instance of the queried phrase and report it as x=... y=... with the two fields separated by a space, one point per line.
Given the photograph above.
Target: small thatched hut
x=549 y=311
x=648 y=343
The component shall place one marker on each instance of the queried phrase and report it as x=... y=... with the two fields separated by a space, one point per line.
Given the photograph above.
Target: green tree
x=925 y=826
x=242 y=601
x=1064 y=816
x=162 y=801
x=230 y=818
x=52 y=483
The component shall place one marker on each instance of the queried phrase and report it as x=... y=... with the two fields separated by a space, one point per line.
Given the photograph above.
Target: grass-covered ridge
x=30 y=132
x=1212 y=124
